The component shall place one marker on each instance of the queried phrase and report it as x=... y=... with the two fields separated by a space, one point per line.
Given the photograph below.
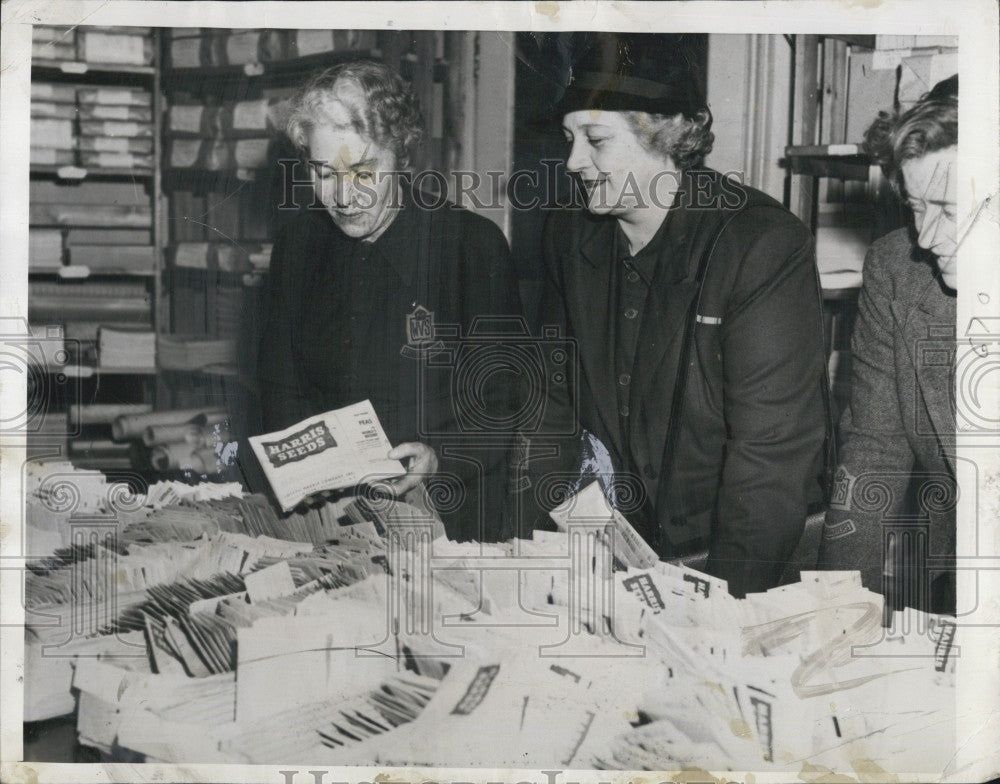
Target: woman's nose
x=343 y=190
x=927 y=223
x=578 y=159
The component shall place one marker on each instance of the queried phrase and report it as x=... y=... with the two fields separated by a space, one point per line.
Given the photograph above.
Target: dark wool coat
x=750 y=435
x=401 y=322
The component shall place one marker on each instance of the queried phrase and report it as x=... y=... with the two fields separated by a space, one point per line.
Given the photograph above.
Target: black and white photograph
x=548 y=392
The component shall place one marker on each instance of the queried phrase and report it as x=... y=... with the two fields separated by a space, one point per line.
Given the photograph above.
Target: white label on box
x=251 y=153
x=53 y=133
x=250 y=116
x=43 y=156
x=313 y=42
x=110 y=96
x=184 y=152
x=109 y=144
x=125 y=129
x=113 y=160
x=122 y=49
x=185 y=52
x=241 y=48
x=111 y=112
x=192 y=254
x=186 y=119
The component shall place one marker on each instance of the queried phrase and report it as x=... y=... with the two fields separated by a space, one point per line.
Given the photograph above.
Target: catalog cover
x=331 y=451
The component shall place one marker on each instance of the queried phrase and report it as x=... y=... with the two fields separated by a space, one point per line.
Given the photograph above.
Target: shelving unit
x=841 y=84
x=211 y=198
x=61 y=214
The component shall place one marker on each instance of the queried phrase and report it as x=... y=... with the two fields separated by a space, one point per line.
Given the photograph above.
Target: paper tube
x=171 y=434
x=133 y=426
x=99 y=413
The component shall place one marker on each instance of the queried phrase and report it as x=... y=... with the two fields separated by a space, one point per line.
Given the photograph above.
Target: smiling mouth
x=591 y=185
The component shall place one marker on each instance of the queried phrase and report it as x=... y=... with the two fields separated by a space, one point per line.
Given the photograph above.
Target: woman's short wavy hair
x=685 y=140
x=381 y=105
x=929 y=125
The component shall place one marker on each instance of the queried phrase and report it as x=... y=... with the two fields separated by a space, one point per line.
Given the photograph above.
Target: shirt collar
x=643 y=262
x=396 y=243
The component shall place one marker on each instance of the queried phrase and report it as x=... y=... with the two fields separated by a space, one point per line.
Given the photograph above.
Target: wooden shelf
x=76 y=70
x=80 y=173
x=76 y=272
x=195 y=179
x=90 y=371
x=841 y=161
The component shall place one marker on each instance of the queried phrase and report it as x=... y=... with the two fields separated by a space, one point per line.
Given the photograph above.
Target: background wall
x=748 y=89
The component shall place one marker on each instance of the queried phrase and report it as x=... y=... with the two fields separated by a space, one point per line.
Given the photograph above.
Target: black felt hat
x=633 y=72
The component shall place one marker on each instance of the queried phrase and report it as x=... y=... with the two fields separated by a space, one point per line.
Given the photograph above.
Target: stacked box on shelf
x=233 y=135
x=116 y=128
x=104 y=227
x=306 y=43
x=53 y=42
x=93 y=245
x=83 y=306
x=115 y=45
x=126 y=347
x=192 y=47
x=45 y=249
x=53 y=124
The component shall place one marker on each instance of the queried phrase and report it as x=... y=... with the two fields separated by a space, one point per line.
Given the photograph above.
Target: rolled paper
x=133 y=426
x=98 y=413
x=98 y=447
x=167 y=434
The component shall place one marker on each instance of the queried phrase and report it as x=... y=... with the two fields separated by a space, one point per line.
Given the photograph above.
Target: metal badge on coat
x=420 y=334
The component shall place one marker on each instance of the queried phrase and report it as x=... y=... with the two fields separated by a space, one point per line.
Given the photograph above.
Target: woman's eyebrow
x=367 y=163
x=587 y=127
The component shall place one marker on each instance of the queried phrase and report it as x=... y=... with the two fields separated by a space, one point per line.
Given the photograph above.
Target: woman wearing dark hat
x=693 y=302
x=899 y=431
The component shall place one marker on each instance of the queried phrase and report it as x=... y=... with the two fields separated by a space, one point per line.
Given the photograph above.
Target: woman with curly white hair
x=368 y=277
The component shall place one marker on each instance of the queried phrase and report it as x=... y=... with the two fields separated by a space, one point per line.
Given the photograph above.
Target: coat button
x=631 y=313
x=624 y=411
x=624 y=379
x=632 y=277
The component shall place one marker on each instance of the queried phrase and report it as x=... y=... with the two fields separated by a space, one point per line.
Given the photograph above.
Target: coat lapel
x=589 y=298
x=670 y=297
x=929 y=333
x=664 y=320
